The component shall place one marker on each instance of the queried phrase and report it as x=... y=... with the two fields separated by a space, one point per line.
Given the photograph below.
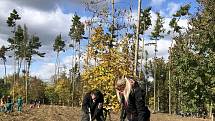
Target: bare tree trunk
x=170 y=111
x=141 y=61
x=73 y=91
x=56 y=68
x=158 y=100
x=170 y=91
x=113 y=22
x=14 y=76
x=154 y=88
x=27 y=79
x=137 y=39
x=5 y=72
x=58 y=64
x=146 y=80
x=19 y=67
x=87 y=66
x=79 y=60
x=73 y=72
x=155 y=68
x=210 y=109
x=26 y=88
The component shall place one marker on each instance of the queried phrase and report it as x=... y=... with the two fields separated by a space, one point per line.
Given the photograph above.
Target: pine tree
x=59 y=45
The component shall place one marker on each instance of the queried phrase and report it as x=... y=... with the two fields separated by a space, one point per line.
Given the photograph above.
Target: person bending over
x=132 y=99
x=92 y=106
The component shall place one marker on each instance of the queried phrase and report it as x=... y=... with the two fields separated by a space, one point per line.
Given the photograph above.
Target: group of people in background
x=35 y=103
x=130 y=96
x=7 y=105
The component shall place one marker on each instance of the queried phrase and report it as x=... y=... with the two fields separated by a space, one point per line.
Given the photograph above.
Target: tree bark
x=137 y=39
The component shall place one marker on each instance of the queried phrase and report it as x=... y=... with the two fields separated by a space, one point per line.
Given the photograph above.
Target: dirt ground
x=61 y=113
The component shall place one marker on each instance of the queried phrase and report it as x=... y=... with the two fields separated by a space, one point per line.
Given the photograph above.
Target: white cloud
x=172 y=8
x=9 y=69
x=157 y=2
x=3 y=39
x=162 y=47
x=44 y=71
x=45 y=23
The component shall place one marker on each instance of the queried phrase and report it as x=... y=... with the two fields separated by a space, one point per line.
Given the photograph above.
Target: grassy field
x=60 y=113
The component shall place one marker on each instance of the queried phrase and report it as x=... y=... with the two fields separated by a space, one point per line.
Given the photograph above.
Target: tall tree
x=32 y=49
x=137 y=39
x=145 y=23
x=59 y=45
x=11 y=22
x=3 y=51
x=76 y=34
x=176 y=30
x=156 y=34
x=20 y=47
x=105 y=73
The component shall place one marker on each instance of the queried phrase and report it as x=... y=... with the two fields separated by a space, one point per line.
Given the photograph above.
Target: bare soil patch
x=64 y=113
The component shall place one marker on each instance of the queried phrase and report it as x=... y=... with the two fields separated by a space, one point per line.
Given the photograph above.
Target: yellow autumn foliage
x=112 y=64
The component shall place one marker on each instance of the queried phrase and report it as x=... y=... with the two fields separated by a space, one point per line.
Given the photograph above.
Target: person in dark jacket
x=9 y=104
x=92 y=106
x=132 y=98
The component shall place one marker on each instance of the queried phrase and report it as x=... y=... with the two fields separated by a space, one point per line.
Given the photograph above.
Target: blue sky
x=51 y=17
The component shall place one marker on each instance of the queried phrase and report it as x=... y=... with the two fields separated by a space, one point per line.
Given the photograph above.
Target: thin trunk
x=58 y=64
x=210 y=108
x=5 y=72
x=87 y=66
x=158 y=100
x=142 y=56
x=180 y=96
x=19 y=66
x=27 y=77
x=137 y=39
x=170 y=111
x=55 y=73
x=154 y=88
x=113 y=22
x=78 y=80
x=95 y=61
x=146 y=80
x=141 y=63
x=26 y=88
x=73 y=90
x=74 y=72
x=155 y=68
x=88 y=41
x=79 y=57
x=14 y=76
x=170 y=91
x=176 y=96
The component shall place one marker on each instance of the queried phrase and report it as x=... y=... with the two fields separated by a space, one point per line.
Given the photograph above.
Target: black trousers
x=86 y=117
x=131 y=117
